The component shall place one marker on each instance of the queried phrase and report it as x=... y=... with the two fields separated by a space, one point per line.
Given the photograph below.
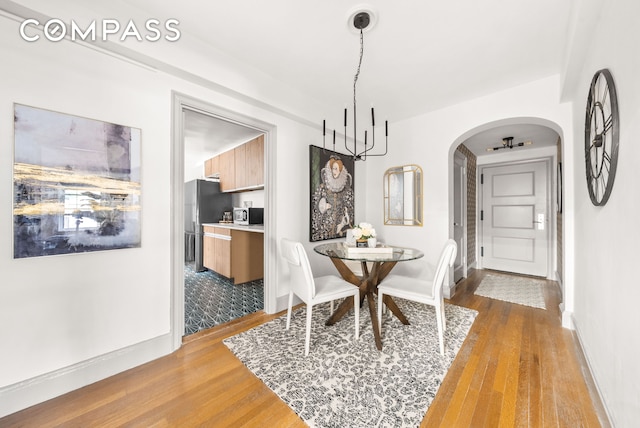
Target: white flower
x=357 y=233
x=364 y=231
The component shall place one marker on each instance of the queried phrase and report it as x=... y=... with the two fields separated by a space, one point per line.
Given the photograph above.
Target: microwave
x=247 y=216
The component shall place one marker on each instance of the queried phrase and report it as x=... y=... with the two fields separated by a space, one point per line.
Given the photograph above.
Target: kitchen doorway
x=210 y=297
x=193 y=121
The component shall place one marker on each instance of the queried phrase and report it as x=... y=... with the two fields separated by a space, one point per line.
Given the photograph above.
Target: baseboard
x=567 y=317
x=282 y=302
x=450 y=291
x=21 y=395
x=596 y=394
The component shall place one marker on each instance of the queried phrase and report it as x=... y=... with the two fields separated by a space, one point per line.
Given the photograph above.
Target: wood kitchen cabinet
x=212 y=167
x=254 y=163
x=249 y=163
x=241 y=168
x=208 y=248
x=236 y=254
x=216 y=250
x=240 y=154
x=222 y=262
x=227 y=170
x=247 y=256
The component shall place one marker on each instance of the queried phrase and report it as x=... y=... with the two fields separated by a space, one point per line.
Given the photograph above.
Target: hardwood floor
x=517 y=367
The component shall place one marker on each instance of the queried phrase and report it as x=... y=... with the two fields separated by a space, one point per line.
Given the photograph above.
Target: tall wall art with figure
x=332 y=195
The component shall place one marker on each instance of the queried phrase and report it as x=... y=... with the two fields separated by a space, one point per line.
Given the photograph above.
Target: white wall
x=58 y=311
x=71 y=320
x=606 y=316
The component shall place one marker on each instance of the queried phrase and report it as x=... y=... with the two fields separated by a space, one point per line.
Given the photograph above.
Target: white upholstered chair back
x=302 y=283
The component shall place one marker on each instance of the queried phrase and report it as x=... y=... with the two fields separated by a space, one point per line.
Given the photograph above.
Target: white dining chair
x=313 y=291
x=420 y=290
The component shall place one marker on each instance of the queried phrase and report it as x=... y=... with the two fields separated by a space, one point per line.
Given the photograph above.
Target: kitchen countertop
x=259 y=228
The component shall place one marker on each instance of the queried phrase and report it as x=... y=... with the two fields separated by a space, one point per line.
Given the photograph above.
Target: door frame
x=551 y=237
x=180 y=102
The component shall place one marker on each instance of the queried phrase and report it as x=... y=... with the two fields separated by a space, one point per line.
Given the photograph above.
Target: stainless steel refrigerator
x=203 y=203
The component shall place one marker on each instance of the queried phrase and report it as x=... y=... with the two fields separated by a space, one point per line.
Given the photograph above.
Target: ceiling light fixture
x=507 y=143
x=361 y=20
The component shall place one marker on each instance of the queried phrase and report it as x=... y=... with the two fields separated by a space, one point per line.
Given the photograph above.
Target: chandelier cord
x=355 y=80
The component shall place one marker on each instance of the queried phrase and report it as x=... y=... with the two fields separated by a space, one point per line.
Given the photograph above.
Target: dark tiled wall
x=471 y=203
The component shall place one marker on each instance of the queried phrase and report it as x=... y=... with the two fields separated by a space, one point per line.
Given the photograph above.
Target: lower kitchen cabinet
x=236 y=254
x=222 y=248
x=208 y=249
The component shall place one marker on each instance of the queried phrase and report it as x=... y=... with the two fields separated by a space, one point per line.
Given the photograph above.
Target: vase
x=372 y=242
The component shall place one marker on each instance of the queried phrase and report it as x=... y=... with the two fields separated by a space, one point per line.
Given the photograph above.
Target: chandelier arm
x=386 y=146
x=373 y=130
x=345 y=134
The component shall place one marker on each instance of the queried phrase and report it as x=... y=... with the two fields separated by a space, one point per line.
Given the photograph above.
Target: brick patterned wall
x=471 y=203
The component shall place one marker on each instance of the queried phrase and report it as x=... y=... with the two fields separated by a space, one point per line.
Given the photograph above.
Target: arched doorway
x=484 y=147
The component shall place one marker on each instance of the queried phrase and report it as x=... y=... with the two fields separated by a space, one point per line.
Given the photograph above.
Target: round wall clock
x=601 y=134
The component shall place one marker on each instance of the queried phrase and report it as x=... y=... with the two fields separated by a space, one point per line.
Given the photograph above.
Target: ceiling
x=205 y=136
x=419 y=56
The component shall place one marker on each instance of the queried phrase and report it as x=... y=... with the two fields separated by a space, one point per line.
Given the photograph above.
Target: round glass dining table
x=381 y=262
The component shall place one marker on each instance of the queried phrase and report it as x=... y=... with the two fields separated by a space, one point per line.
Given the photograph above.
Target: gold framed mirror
x=403 y=195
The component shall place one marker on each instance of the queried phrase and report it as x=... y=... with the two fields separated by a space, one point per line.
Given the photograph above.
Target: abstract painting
x=76 y=184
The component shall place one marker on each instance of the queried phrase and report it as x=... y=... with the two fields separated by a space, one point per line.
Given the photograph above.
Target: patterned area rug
x=513 y=289
x=347 y=383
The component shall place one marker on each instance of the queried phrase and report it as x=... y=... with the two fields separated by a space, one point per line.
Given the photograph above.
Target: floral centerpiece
x=362 y=232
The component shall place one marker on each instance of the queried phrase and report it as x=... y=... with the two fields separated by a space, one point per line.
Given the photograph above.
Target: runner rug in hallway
x=349 y=383
x=513 y=289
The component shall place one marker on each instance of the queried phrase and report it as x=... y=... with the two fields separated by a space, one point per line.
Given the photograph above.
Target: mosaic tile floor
x=211 y=299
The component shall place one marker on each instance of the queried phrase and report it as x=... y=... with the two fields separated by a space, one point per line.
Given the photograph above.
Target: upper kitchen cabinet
x=227 y=171
x=212 y=167
x=250 y=164
x=255 y=161
x=239 y=169
x=240 y=154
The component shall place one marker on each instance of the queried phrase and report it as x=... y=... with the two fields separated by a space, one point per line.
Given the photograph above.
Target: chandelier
x=361 y=20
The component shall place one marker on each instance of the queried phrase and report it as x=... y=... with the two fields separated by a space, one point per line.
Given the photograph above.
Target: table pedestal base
x=368 y=285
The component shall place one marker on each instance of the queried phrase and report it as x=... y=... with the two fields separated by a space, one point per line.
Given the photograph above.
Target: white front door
x=514 y=218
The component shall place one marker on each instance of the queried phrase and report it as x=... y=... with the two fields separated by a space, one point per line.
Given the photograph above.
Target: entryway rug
x=347 y=383
x=513 y=289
